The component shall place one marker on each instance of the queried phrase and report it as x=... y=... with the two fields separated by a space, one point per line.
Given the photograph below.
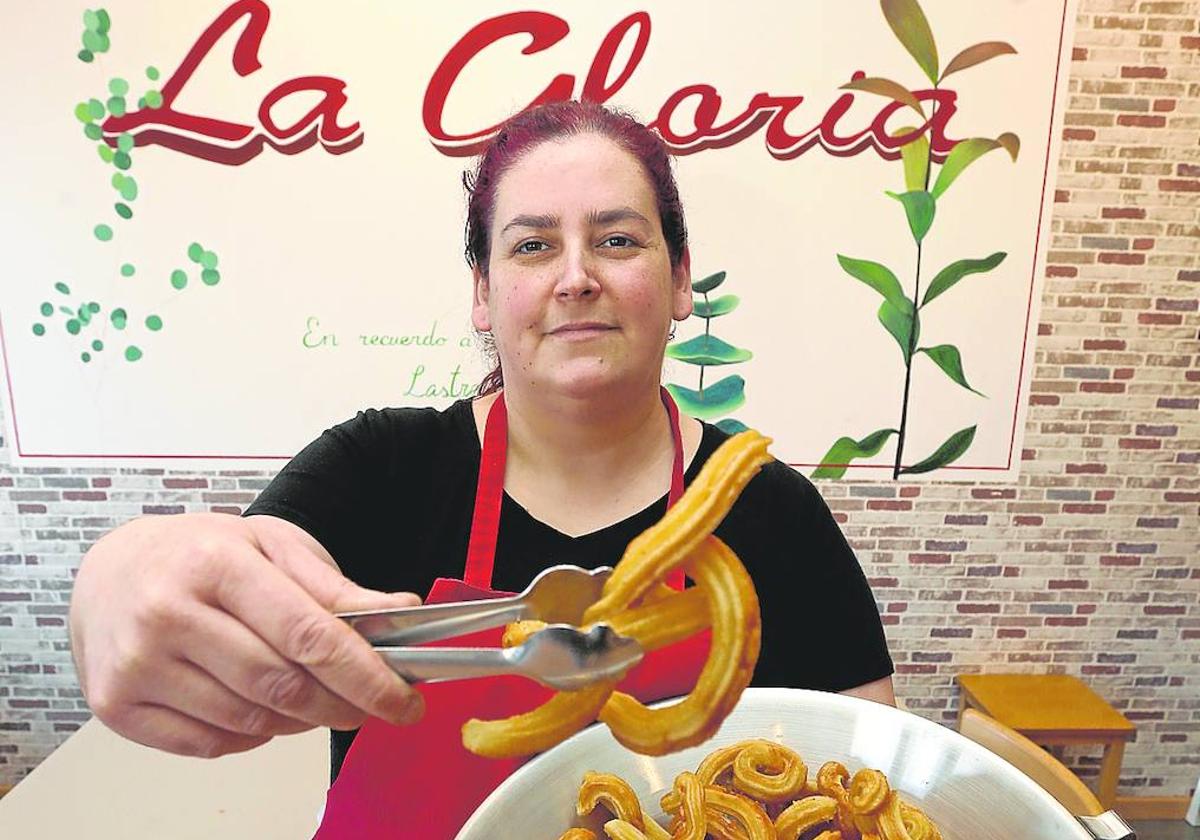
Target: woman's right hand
x=205 y=634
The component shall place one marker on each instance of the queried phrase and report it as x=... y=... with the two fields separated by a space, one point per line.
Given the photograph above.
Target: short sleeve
x=821 y=626
x=856 y=652
x=336 y=487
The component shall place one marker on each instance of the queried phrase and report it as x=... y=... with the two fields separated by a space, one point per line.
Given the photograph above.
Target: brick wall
x=1089 y=565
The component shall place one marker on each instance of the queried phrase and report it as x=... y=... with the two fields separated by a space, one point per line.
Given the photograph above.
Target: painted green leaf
x=915 y=155
x=92 y=40
x=949 y=359
x=950 y=451
x=731 y=427
x=888 y=88
x=105 y=22
x=878 y=277
x=912 y=29
x=846 y=449
x=713 y=309
x=708 y=283
x=966 y=152
x=718 y=399
x=956 y=271
x=977 y=54
x=919 y=207
x=899 y=321
x=707 y=350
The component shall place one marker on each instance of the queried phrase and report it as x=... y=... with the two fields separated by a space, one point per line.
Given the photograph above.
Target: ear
x=480 y=317
x=681 y=287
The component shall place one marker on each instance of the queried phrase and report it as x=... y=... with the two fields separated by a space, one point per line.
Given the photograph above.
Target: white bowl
x=970 y=793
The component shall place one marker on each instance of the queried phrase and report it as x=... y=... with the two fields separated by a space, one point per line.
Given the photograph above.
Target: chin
x=587 y=378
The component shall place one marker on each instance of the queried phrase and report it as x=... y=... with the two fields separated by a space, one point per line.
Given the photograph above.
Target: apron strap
x=489 y=492
x=674 y=577
x=489 y=496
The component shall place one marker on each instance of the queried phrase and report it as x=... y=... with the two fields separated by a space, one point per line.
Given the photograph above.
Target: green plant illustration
x=84 y=318
x=900 y=314
x=728 y=394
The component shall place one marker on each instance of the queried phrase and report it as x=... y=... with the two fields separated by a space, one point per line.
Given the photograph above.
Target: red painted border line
x=1062 y=33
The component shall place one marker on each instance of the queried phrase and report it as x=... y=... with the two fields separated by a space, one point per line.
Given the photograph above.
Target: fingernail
x=412 y=710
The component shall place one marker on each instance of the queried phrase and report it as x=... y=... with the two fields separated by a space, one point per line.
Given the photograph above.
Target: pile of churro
x=757 y=790
x=637 y=603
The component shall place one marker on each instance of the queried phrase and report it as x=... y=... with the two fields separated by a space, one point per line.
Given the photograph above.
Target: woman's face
x=580 y=291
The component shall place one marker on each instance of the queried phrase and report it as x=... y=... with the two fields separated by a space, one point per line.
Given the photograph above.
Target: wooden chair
x=1031 y=760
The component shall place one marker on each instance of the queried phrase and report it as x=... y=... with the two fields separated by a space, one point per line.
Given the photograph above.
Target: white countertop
x=99 y=786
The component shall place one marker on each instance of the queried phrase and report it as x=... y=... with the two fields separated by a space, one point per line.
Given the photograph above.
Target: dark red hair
x=534 y=126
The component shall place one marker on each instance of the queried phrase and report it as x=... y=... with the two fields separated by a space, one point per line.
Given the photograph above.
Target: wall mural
x=900 y=314
x=264 y=271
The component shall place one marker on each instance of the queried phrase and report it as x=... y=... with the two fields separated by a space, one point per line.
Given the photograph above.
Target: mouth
x=582 y=330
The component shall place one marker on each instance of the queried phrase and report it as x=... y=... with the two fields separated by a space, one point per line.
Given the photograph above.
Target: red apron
x=419 y=781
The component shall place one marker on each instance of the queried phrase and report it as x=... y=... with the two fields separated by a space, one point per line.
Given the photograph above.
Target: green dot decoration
x=103 y=232
x=154 y=323
x=132 y=353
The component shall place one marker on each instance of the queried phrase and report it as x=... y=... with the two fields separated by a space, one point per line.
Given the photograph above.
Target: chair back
x=1032 y=760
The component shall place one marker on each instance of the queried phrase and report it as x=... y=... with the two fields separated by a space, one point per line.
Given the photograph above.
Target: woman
x=208 y=634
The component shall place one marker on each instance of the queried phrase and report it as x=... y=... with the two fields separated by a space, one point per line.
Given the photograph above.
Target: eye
x=530 y=246
x=618 y=240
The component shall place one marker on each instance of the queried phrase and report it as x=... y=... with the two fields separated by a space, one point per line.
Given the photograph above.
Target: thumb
x=326 y=583
x=354 y=597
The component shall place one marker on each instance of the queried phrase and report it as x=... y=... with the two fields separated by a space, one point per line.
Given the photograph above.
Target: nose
x=578 y=277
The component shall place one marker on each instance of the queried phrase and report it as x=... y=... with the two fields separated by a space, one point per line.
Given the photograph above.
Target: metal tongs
x=560 y=656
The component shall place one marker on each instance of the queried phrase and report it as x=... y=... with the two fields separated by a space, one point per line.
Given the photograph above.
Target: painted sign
x=230 y=225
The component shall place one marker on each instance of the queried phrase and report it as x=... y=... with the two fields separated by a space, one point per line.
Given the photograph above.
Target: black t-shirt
x=390 y=495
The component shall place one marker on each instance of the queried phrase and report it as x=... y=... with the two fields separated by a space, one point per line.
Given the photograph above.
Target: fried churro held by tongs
x=634 y=604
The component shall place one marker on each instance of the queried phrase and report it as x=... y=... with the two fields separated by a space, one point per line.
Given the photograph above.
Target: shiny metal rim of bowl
x=970 y=793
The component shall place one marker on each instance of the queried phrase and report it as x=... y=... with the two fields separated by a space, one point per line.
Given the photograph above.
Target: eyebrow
x=596 y=217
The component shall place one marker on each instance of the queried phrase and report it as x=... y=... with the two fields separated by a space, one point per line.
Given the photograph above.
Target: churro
x=635 y=603
x=711 y=803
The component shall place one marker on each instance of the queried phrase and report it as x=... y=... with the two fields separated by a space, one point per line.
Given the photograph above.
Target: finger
x=302 y=631
x=235 y=656
x=187 y=688
x=167 y=729
x=322 y=581
x=330 y=588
